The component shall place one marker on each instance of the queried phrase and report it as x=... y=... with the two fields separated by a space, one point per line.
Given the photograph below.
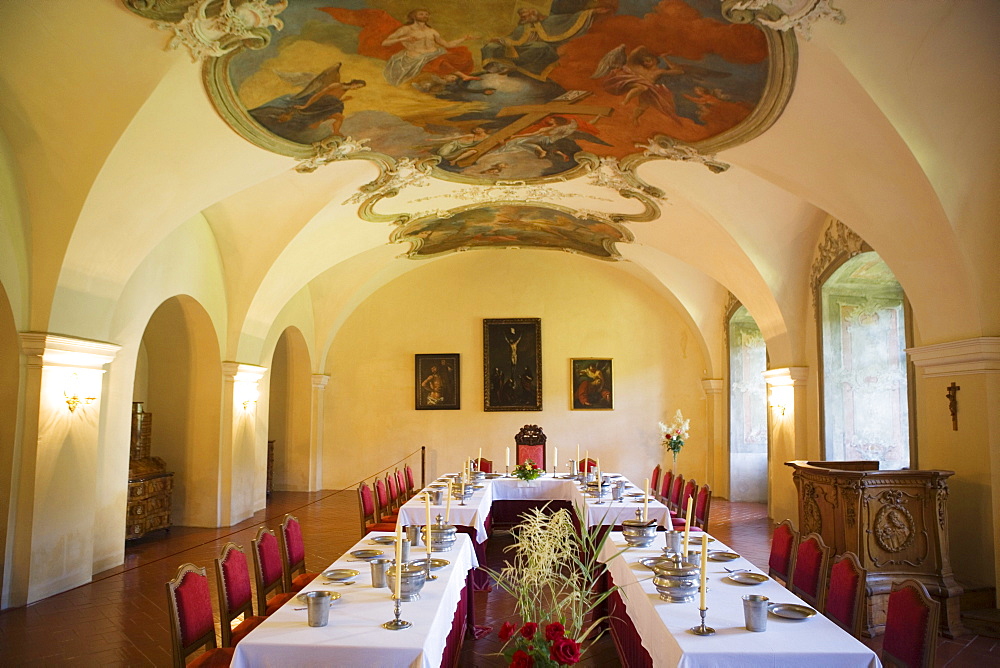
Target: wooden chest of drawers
x=148 y=504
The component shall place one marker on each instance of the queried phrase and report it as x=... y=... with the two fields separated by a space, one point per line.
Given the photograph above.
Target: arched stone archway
x=289 y=414
x=183 y=389
x=9 y=390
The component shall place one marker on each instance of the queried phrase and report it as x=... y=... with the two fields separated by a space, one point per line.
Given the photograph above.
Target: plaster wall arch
x=14 y=237
x=289 y=414
x=10 y=398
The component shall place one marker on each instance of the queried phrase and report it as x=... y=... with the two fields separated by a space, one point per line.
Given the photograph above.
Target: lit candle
x=508 y=456
x=399 y=558
x=645 y=503
x=704 y=571
x=447 y=508
x=427 y=538
x=687 y=527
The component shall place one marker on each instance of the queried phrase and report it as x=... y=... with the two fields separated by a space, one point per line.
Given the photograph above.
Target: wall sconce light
x=252 y=397
x=781 y=397
x=72 y=394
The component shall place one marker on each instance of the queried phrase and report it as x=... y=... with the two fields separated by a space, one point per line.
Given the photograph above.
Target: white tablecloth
x=354 y=636
x=815 y=642
x=477 y=508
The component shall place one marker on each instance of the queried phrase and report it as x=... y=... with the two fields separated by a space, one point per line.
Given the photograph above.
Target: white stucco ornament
x=213 y=36
x=665 y=147
x=797 y=15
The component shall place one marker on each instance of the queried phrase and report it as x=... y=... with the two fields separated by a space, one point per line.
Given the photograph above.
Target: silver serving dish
x=748 y=577
x=436 y=564
x=638 y=533
x=462 y=491
x=478 y=476
x=677 y=583
x=411 y=580
x=442 y=535
x=791 y=610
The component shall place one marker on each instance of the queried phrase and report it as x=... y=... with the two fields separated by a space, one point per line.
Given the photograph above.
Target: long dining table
x=354 y=635
x=649 y=631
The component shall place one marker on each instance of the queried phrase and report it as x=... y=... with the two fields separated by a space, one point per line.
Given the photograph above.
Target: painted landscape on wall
x=512 y=90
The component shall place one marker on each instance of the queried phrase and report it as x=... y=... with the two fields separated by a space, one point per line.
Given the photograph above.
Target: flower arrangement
x=674 y=434
x=555 y=578
x=527 y=470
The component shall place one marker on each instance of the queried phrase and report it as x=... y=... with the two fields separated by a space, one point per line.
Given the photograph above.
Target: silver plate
x=438 y=485
x=695 y=538
x=340 y=574
x=383 y=540
x=636 y=494
x=366 y=554
x=649 y=562
x=334 y=595
x=748 y=578
x=791 y=610
x=493 y=476
x=719 y=555
x=435 y=563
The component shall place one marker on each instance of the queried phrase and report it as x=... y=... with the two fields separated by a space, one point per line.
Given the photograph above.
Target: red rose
x=554 y=630
x=565 y=651
x=507 y=631
x=521 y=659
x=528 y=630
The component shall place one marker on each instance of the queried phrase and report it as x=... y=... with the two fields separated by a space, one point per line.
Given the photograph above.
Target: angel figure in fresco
x=554 y=137
x=461 y=146
x=409 y=48
x=639 y=76
x=320 y=100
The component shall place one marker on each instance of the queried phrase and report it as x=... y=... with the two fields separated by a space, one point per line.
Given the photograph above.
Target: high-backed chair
x=411 y=485
x=369 y=514
x=664 y=492
x=587 y=465
x=784 y=540
x=485 y=465
x=673 y=502
x=192 y=625
x=690 y=490
x=811 y=570
x=702 y=506
x=394 y=497
x=293 y=555
x=654 y=480
x=911 y=623
x=404 y=494
x=269 y=575
x=232 y=578
x=845 y=597
x=382 y=510
x=530 y=444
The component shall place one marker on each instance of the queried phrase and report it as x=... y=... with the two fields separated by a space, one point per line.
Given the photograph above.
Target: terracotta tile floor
x=120 y=619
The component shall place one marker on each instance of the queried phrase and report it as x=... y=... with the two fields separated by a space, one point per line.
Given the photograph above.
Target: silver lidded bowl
x=411 y=581
x=676 y=582
x=442 y=536
x=460 y=491
x=638 y=533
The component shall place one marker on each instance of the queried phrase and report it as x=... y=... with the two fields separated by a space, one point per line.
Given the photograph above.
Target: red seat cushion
x=245 y=627
x=381 y=526
x=277 y=601
x=214 y=658
x=300 y=581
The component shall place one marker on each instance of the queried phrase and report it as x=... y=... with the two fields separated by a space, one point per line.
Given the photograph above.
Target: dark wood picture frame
x=593 y=384
x=512 y=364
x=437 y=381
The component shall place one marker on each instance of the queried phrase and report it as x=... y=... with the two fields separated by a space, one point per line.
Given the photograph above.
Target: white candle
x=586 y=469
x=447 y=508
x=399 y=558
x=555 y=458
x=645 y=503
x=427 y=538
x=508 y=457
x=704 y=571
x=687 y=527
x=479 y=461
x=577 y=454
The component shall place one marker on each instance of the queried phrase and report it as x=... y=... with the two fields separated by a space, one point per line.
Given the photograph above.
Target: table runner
x=354 y=636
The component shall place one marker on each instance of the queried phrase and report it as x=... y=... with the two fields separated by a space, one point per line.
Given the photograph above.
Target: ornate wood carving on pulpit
x=896 y=522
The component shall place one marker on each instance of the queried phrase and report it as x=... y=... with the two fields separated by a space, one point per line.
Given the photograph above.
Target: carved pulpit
x=896 y=522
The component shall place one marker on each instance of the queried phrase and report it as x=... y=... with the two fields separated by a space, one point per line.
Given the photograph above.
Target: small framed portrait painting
x=437 y=381
x=593 y=384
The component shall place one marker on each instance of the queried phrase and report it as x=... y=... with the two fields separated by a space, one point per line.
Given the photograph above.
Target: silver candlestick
x=396 y=624
x=702 y=630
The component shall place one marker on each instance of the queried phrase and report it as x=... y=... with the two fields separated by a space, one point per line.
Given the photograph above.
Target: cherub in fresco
x=639 y=76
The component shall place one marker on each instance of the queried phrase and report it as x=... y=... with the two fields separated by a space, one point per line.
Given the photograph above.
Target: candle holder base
x=702 y=630
x=396 y=624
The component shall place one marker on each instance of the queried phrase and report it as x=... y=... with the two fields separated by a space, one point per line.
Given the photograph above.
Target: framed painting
x=592 y=383
x=437 y=381
x=512 y=364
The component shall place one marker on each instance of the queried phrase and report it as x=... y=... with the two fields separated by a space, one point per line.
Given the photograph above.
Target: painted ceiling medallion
x=507 y=92
x=510 y=225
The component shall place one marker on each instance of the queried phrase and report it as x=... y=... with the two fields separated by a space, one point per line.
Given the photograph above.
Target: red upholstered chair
x=911 y=623
x=845 y=597
x=394 y=497
x=192 y=625
x=485 y=465
x=654 y=480
x=587 y=465
x=411 y=485
x=690 y=490
x=232 y=578
x=702 y=507
x=269 y=575
x=782 y=558
x=811 y=571
x=382 y=508
x=369 y=516
x=293 y=555
x=664 y=492
x=530 y=442
x=404 y=494
x=674 y=500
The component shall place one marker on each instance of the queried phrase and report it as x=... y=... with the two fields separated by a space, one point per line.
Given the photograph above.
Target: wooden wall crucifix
x=953 y=404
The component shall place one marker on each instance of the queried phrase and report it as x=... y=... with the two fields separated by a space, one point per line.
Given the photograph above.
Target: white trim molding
x=958 y=358
x=58 y=350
